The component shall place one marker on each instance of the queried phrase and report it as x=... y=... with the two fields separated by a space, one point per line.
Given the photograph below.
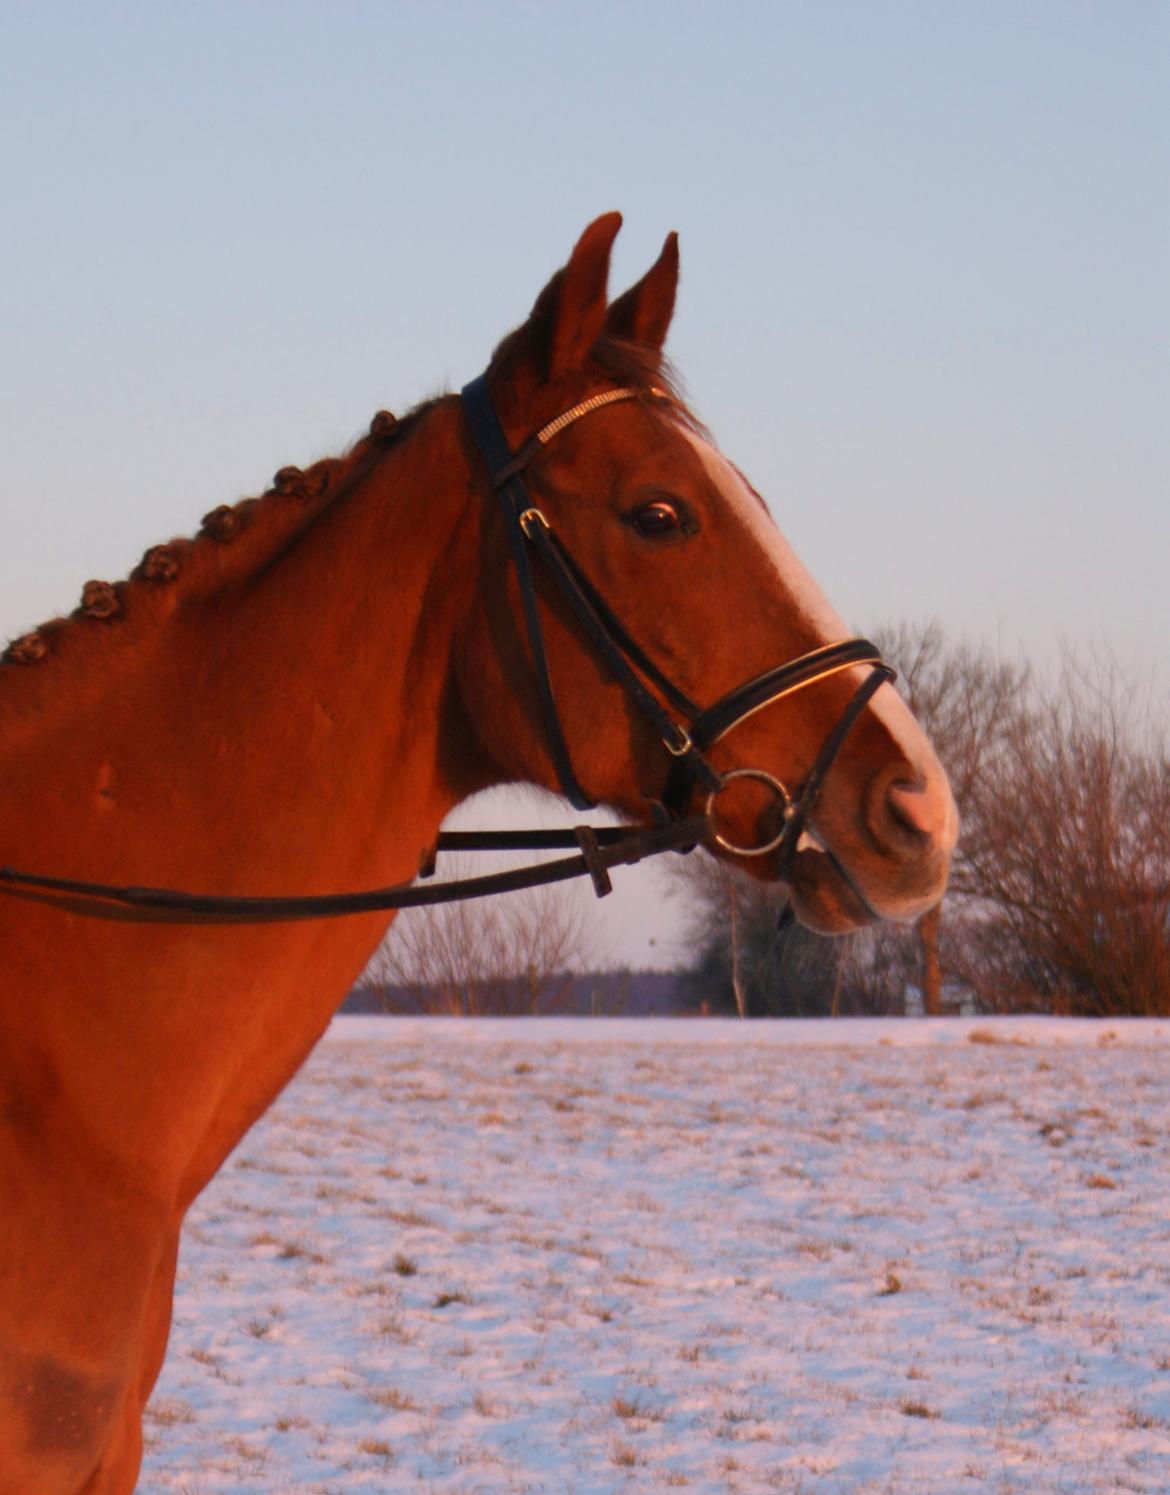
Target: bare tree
x=485 y=957
x=1069 y=883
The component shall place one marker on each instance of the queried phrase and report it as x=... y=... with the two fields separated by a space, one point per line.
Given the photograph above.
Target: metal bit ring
x=782 y=795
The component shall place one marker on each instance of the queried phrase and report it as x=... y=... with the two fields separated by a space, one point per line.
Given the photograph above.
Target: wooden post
x=931 y=969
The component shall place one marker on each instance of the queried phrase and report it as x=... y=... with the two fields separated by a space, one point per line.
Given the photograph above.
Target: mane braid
x=262 y=527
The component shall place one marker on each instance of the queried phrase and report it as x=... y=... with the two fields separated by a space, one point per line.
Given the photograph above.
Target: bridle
x=687 y=742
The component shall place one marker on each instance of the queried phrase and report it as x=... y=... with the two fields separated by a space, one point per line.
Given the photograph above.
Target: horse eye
x=657 y=518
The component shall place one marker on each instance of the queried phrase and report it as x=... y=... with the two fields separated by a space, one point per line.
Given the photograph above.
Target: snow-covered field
x=590 y=1257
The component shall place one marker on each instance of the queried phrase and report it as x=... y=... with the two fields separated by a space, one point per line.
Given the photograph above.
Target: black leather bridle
x=688 y=741
x=599 y=848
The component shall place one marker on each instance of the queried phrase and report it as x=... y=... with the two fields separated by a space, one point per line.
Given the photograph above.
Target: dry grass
x=169 y=1413
x=377 y=1447
x=392 y=1399
x=624 y=1455
x=989 y=1036
x=911 y=1408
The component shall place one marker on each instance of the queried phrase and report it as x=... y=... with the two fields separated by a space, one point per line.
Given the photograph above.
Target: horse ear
x=570 y=312
x=643 y=314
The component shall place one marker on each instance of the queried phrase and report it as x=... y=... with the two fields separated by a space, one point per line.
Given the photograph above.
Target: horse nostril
x=909 y=806
x=918 y=811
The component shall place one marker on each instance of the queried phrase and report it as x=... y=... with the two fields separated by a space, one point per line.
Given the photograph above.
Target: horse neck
x=292 y=732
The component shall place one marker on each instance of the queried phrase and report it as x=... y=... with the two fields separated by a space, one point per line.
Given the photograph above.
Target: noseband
x=687 y=741
x=600 y=848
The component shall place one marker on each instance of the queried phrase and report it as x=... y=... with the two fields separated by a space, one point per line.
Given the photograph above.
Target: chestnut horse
x=292 y=702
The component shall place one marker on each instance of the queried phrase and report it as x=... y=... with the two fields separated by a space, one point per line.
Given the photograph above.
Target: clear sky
x=926 y=269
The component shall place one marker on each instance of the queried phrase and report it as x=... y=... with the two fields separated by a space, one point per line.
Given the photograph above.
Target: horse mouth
x=824 y=897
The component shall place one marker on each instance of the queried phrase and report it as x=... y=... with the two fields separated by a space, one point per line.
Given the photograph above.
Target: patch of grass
x=391 y=1326
x=410 y=1217
x=989 y=1036
x=630 y=1406
x=1141 y=1420
x=1100 y=1181
x=255 y=1453
x=624 y=1456
x=444 y=1300
x=911 y=1408
x=394 y=1400
x=893 y=1284
x=289 y=1424
x=294 y=1251
x=736 y=1415
x=405 y=1266
x=377 y=1447
x=980 y=1098
x=169 y=1413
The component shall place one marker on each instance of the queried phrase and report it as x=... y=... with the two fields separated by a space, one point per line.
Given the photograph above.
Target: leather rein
x=599 y=848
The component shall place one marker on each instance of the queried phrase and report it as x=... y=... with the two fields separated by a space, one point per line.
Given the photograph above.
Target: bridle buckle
x=677 y=742
x=530 y=517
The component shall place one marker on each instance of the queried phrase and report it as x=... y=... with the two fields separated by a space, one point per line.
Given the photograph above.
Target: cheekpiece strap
x=493 y=445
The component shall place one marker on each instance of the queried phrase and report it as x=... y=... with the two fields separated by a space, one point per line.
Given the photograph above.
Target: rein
x=599 y=848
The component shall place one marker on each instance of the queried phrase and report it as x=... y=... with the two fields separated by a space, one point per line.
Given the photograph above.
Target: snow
x=592 y=1256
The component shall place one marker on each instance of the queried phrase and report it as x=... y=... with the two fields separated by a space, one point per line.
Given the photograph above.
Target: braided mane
x=233 y=540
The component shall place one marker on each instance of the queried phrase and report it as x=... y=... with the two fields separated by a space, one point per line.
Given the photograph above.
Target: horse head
x=626 y=496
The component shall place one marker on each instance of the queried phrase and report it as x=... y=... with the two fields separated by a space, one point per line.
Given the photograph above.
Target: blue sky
x=926 y=269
